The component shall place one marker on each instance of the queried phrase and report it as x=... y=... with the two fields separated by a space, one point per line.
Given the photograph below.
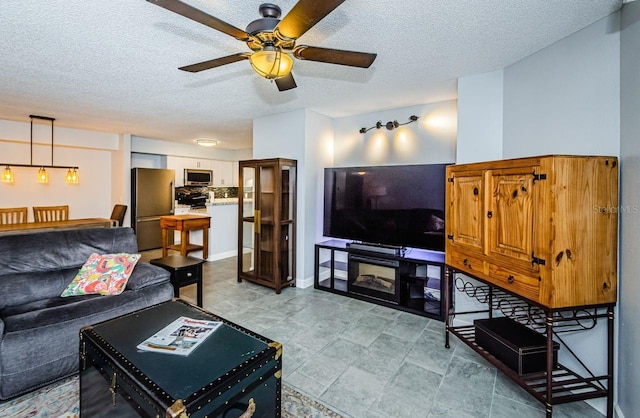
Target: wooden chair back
x=50 y=213
x=10 y=216
x=118 y=214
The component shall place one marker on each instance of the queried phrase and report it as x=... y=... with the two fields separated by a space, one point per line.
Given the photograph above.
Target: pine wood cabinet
x=544 y=228
x=266 y=222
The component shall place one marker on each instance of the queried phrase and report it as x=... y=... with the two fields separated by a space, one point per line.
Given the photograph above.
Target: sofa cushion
x=145 y=274
x=104 y=274
x=41 y=339
x=21 y=288
x=55 y=250
x=41 y=261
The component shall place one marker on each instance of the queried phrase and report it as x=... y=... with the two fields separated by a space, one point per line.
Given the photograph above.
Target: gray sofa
x=39 y=330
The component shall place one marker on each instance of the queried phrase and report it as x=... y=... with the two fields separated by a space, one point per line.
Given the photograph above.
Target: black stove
x=196 y=197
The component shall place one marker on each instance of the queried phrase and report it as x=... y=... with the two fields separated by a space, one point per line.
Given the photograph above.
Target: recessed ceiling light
x=206 y=142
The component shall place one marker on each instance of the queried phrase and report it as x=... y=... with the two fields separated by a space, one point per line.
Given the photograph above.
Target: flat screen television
x=401 y=205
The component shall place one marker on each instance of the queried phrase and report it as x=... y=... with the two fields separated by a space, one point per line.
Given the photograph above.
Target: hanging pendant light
x=72 y=177
x=43 y=176
x=7 y=175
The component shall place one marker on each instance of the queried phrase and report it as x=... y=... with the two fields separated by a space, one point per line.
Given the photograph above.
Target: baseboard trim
x=617 y=412
x=220 y=256
x=304 y=283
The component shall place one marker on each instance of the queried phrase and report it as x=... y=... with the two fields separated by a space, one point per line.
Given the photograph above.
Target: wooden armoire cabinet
x=267 y=222
x=544 y=228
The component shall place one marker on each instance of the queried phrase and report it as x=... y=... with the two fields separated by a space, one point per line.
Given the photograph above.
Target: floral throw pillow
x=105 y=274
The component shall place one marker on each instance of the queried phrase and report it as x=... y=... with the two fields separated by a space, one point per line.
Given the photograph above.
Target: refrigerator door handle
x=173 y=199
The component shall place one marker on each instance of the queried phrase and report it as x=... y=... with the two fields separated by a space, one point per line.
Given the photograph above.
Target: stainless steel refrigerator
x=152 y=196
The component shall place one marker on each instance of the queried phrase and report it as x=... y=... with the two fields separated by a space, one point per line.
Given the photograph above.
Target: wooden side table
x=184 y=224
x=184 y=271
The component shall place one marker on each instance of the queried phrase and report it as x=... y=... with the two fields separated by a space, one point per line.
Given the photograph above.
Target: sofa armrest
x=145 y=274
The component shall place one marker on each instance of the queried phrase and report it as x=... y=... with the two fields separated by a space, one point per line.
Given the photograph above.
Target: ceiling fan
x=273 y=41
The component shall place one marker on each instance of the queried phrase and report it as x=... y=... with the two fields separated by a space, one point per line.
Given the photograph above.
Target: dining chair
x=10 y=216
x=118 y=214
x=50 y=213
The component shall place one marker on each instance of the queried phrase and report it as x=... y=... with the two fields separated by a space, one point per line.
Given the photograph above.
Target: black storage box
x=517 y=346
x=234 y=370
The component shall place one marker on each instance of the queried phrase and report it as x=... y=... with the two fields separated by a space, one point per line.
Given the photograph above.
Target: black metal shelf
x=555 y=385
x=511 y=306
x=568 y=386
x=331 y=275
x=337 y=265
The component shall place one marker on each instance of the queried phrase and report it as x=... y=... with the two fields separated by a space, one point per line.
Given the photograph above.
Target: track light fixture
x=391 y=125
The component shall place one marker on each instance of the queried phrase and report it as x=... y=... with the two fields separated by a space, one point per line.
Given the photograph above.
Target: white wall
x=431 y=139
x=307 y=137
x=97 y=154
x=139 y=160
x=284 y=136
x=318 y=155
x=121 y=189
x=565 y=98
x=628 y=379
x=480 y=109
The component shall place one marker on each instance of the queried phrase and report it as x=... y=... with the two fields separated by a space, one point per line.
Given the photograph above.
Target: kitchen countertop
x=224 y=201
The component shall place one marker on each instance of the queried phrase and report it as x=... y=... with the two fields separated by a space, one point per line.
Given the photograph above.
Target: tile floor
x=364 y=360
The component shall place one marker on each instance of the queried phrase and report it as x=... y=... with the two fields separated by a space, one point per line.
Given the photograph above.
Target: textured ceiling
x=112 y=65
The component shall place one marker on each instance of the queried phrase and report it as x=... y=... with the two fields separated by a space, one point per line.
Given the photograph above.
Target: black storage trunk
x=232 y=371
x=517 y=346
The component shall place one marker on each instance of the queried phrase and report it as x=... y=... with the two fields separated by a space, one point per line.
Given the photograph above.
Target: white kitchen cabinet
x=235 y=173
x=177 y=164
x=199 y=163
x=222 y=173
x=180 y=163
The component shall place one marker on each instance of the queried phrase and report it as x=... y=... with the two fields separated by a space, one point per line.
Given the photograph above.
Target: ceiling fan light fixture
x=271 y=63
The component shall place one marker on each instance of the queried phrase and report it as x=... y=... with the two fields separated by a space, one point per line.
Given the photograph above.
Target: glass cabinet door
x=266 y=209
x=248 y=219
x=287 y=228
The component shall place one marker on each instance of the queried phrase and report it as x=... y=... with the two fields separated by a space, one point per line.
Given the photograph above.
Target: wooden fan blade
x=286 y=83
x=303 y=16
x=199 y=16
x=206 y=65
x=334 y=56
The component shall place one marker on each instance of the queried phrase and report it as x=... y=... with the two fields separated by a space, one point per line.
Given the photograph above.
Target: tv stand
x=405 y=280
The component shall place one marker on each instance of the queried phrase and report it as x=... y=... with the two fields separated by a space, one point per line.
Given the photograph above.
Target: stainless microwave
x=194 y=177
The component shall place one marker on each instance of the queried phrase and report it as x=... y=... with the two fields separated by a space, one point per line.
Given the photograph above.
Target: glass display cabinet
x=266 y=222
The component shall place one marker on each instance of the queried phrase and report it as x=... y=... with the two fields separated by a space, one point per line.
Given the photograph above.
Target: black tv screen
x=399 y=205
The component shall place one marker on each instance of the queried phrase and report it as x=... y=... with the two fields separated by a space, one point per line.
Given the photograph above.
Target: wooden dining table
x=28 y=227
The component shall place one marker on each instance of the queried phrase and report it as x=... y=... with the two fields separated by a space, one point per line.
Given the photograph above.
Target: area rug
x=60 y=400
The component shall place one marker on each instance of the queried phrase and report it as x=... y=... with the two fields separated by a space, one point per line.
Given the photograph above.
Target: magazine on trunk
x=181 y=337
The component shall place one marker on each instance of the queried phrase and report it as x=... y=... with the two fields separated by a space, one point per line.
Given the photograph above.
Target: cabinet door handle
x=510 y=279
